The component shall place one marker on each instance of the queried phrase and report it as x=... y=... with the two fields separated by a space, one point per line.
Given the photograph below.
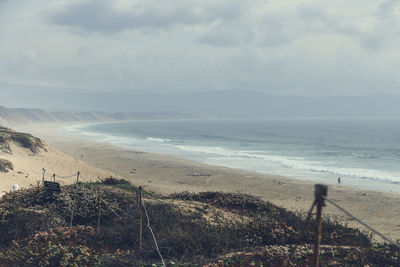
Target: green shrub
x=6 y=165
x=66 y=246
x=113 y=181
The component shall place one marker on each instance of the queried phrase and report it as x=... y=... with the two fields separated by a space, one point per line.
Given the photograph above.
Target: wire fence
x=76 y=174
x=66 y=177
x=320 y=197
x=109 y=207
x=152 y=233
x=362 y=223
x=84 y=179
x=148 y=225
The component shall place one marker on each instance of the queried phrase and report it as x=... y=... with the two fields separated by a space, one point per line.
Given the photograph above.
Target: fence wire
x=109 y=206
x=152 y=233
x=148 y=224
x=84 y=179
x=66 y=177
x=362 y=223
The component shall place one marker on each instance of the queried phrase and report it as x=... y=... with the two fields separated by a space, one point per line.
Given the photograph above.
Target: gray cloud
x=278 y=47
x=371 y=25
x=105 y=16
x=227 y=35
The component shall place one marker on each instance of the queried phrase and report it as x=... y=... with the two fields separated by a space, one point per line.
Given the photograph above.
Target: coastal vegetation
x=8 y=136
x=202 y=229
x=6 y=165
x=23 y=139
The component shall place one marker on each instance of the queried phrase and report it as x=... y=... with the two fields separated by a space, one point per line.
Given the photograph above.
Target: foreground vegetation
x=205 y=229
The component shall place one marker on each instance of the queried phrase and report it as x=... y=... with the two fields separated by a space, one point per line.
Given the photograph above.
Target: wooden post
x=321 y=191
x=139 y=199
x=54 y=177
x=44 y=171
x=99 y=210
x=74 y=205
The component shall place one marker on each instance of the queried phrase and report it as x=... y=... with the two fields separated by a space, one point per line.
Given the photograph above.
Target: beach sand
x=28 y=168
x=167 y=174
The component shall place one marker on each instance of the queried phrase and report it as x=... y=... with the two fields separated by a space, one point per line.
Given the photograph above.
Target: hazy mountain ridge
x=11 y=116
x=231 y=104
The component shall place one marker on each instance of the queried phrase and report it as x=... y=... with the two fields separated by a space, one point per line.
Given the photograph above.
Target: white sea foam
x=157 y=139
x=254 y=158
x=102 y=137
x=207 y=150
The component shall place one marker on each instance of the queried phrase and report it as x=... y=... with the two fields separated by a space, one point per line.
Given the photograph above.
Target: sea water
x=364 y=153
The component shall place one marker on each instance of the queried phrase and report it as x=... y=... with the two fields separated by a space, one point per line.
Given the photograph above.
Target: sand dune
x=28 y=167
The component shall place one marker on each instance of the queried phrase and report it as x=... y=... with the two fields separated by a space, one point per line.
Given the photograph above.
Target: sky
x=278 y=47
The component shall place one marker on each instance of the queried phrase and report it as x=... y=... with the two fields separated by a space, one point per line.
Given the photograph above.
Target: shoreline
x=167 y=174
x=362 y=183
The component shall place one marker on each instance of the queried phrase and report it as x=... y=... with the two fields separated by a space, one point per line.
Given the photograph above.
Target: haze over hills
x=11 y=116
x=231 y=103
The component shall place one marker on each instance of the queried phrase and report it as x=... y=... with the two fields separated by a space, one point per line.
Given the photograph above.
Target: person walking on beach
x=338 y=180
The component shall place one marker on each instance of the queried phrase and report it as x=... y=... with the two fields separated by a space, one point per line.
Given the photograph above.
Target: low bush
x=6 y=165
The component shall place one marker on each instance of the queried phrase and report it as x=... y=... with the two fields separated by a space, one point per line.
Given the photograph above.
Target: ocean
x=364 y=153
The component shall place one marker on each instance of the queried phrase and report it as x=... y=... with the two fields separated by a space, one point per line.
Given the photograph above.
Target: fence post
x=140 y=207
x=54 y=177
x=77 y=177
x=321 y=191
x=74 y=204
x=98 y=217
x=44 y=171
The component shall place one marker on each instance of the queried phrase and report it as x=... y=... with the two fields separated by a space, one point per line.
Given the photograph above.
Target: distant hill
x=240 y=103
x=229 y=103
x=11 y=116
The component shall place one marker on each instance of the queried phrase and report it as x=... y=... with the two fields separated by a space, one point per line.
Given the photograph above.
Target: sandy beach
x=28 y=168
x=167 y=174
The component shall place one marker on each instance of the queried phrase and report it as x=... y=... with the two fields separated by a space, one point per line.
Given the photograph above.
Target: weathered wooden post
x=74 y=205
x=321 y=191
x=139 y=201
x=99 y=214
x=44 y=171
x=54 y=177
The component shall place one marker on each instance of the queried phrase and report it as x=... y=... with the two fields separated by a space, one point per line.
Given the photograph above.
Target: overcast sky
x=285 y=47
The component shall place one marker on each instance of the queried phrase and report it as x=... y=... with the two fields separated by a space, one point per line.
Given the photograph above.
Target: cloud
x=115 y=16
x=233 y=22
x=226 y=34
x=371 y=25
x=275 y=23
x=303 y=47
